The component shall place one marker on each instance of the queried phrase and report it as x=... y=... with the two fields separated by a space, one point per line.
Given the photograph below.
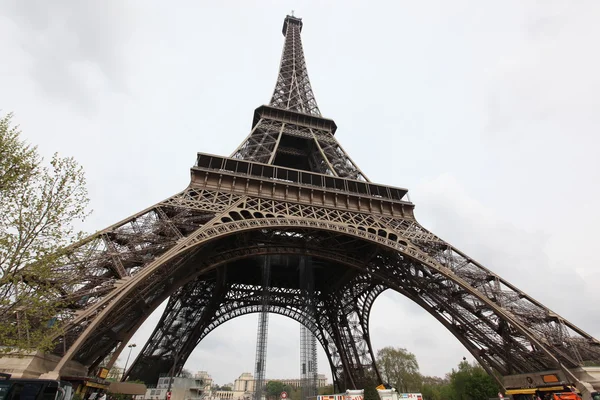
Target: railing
x=295 y=176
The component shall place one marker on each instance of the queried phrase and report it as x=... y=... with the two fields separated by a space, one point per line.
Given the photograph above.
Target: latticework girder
x=426 y=269
x=262 y=335
x=290 y=131
x=243 y=294
x=293 y=90
x=275 y=140
x=308 y=342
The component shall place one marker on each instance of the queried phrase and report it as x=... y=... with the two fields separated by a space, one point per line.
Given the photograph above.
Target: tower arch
x=383 y=262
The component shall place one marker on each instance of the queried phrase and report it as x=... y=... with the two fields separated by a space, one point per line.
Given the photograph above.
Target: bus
x=34 y=389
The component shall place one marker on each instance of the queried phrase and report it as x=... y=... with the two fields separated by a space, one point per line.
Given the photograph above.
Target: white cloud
x=75 y=49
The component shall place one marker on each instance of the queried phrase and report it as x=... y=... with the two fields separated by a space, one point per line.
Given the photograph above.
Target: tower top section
x=293 y=20
x=292 y=90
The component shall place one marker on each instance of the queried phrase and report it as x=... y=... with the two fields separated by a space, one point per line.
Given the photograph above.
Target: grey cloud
x=75 y=47
x=547 y=73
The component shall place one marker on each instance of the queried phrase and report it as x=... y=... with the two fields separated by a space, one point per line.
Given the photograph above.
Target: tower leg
x=345 y=320
x=188 y=312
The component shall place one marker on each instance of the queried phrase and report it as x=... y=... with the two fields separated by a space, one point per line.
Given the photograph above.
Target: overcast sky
x=486 y=111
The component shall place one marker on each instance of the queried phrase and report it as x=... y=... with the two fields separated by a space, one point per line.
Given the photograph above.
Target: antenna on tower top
x=292 y=13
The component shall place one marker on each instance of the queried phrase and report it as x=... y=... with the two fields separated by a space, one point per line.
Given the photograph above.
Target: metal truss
x=293 y=90
x=262 y=334
x=170 y=337
x=162 y=352
x=308 y=363
x=504 y=328
x=308 y=341
x=291 y=132
x=290 y=192
x=275 y=140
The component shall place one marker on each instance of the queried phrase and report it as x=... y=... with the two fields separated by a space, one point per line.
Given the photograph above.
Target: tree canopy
x=399 y=368
x=186 y=373
x=274 y=389
x=471 y=382
x=467 y=382
x=40 y=203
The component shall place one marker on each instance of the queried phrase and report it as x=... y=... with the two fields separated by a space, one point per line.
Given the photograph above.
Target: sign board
x=284 y=395
x=354 y=394
x=168 y=395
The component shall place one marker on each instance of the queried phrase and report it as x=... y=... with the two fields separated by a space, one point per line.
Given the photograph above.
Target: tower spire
x=290 y=131
x=293 y=90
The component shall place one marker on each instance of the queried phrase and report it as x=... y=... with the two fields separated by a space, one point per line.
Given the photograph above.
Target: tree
x=295 y=394
x=17 y=159
x=39 y=205
x=399 y=368
x=326 y=389
x=471 y=382
x=274 y=388
x=185 y=373
x=435 y=388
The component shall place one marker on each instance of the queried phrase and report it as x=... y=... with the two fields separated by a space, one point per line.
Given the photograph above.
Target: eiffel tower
x=290 y=201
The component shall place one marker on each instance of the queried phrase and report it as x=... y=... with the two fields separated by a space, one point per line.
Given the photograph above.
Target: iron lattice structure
x=263 y=331
x=290 y=191
x=308 y=341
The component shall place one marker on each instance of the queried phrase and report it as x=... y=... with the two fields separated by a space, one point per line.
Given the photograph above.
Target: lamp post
x=171 y=371
x=131 y=346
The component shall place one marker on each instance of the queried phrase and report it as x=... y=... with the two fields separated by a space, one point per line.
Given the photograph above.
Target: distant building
x=204 y=375
x=297 y=383
x=200 y=387
x=245 y=383
x=195 y=388
x=227 y=395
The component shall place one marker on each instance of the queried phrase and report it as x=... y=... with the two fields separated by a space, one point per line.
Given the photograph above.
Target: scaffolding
x=263 y=330
x=308 y=341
